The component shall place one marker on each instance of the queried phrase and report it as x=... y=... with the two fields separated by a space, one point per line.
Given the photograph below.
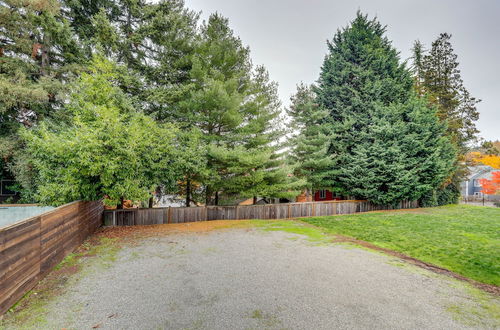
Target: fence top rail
x=333 y=201
x=36 y=216
x=19 y=223
x=134 y=209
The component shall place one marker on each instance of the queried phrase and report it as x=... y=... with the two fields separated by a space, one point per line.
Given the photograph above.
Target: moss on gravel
x=313 y=234
x=482 y=310
x=29 y=312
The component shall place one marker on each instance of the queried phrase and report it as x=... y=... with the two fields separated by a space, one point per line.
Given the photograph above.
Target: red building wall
x=328 y=196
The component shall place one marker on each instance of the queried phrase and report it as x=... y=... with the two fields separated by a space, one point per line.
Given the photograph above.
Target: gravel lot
x=255 y=279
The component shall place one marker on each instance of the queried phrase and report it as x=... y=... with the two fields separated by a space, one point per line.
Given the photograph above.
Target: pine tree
x=38 y=56
x=37 y=51
x=258 y=162
x=441 y=84
x=310 y=144
x=387 y=145
x=154 y=40
x=417 y=69
x=235 y=107
x=82 y=13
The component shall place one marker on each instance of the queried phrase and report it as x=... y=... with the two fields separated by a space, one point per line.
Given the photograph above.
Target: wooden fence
x=31 y=248
x=131 y=217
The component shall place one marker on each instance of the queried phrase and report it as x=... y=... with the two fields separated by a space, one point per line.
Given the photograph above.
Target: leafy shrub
x=441 y=196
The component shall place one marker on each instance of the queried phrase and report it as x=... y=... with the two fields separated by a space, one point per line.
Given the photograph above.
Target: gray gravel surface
x=250 y=279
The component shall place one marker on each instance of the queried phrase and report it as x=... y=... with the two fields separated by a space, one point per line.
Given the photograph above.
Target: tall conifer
x=388 y=146
x=236 y=107
x=440 y=82
x=310 y=144
x=38 y=55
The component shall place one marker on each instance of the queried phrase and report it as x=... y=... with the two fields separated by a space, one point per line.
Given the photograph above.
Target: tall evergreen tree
x=38 y=55
x=81 y=15
x=418 y=66
x=440 y=82
x=310 y=144
x=386 y=144
x=257 y=163
x=404 y=155
x=235 y=107
x=443 y=84
x=155 y=40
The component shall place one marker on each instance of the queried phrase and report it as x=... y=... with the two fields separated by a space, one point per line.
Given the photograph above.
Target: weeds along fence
x=29 y=249
x=152 y=216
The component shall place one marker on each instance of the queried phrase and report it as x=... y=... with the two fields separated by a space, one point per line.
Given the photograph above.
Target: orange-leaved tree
x=491 y=187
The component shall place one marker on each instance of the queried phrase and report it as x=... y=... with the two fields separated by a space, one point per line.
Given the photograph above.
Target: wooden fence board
x=15 y=257
x=130 y=217
x=31 y=248
x=12 y=236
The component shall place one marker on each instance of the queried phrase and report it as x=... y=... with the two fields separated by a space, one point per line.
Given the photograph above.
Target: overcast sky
x=289 y=38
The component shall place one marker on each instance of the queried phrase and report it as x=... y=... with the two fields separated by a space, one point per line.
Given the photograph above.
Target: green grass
x=315 y=235
x=462 y=238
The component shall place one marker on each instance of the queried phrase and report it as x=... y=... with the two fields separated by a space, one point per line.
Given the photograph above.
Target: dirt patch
x=486 y=287
x=66 y=271
x=162 y=229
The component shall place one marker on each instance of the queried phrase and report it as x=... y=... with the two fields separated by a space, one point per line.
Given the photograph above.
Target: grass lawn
x=462 y=238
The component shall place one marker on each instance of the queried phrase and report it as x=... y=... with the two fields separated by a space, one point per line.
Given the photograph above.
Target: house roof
x=481 y=172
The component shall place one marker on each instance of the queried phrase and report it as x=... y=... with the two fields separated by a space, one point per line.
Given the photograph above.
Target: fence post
x=169 y=219
x=289 y=211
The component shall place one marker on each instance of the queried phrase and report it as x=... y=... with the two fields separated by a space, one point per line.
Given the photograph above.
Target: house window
x=322 y=194
x=4 y=188
x=477 y=183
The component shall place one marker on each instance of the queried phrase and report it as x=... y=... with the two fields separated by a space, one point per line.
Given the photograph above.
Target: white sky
x=289 y=38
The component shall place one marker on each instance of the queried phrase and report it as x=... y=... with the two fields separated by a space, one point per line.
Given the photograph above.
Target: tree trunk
x=188 y=192
x=208 y=197
x=120 y=205
x=216 y=198
x=150 y=202
x=254 y=200
x=44 y=48
x=45 y=60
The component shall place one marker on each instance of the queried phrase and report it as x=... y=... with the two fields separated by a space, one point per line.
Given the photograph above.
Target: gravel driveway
x=255 y=279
